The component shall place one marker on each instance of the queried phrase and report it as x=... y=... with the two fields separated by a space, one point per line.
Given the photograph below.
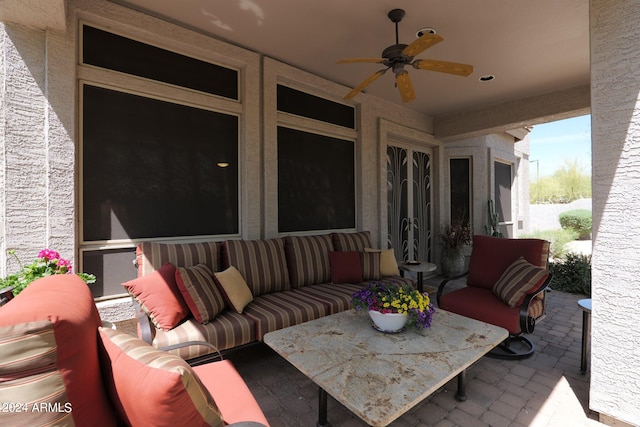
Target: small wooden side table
x=585 y=305
x=419 y=269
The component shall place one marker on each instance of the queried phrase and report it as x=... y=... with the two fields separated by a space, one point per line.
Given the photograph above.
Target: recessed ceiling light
x=487 y=78
x=426 y=30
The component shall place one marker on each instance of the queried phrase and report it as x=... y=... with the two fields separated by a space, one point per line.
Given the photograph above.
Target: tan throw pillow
x=388 y=263
x=234 y=287
x=520 y=278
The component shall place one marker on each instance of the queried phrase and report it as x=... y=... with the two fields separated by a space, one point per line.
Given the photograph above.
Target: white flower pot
x=388 y=322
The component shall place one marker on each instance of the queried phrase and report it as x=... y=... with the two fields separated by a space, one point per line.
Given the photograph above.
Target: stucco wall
x=615 y=115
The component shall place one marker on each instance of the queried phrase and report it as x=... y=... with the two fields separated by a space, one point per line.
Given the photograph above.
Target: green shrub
x=558 y=240
x=573 y=274
x=578 y=220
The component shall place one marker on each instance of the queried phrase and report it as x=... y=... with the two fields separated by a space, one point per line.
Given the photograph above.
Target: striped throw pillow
x=520 y=278
x=370 y=262
x=200 y=292
x=151 y=387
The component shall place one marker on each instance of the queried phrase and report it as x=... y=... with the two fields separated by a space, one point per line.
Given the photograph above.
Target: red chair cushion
x=481 y=304
x=492 y=255
x=229 y=391
x=65 y=302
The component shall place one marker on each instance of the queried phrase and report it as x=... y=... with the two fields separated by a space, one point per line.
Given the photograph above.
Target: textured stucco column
x=615 y=109
x=37 y=153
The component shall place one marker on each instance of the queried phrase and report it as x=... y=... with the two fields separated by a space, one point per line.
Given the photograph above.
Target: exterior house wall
x=615 y=133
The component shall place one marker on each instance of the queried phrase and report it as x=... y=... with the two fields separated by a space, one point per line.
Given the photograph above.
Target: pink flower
x=48 y=254
x=65 y=266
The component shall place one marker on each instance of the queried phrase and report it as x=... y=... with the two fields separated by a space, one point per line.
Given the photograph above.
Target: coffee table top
x=380 y=376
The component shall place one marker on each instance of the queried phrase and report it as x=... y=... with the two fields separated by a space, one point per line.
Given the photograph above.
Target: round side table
x=585 y=306
x=419 y=269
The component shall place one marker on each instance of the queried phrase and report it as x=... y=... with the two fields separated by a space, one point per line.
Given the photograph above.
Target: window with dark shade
x=316 y=182
x=114 y=52
x=460 y=179
x=152 y=168
x=313 y=107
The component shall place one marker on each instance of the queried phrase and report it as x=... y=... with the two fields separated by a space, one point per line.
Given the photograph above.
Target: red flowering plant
x=396 y=298
x=49 y=262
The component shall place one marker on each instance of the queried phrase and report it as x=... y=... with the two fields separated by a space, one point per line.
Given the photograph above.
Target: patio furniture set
x=294 y=294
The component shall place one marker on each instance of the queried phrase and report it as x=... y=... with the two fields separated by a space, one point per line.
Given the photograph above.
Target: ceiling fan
x=398 y=55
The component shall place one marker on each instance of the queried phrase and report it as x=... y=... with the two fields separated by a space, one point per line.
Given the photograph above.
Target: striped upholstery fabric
x=49 y=348
x=200 y=292
x=536 y=308
x=337 y=297
x=308 y=259
x=282 y=309
x=518 y=279
x=262 y=263
x=152 y=387
x=28 y=374
x=229 y=330
x=370 y=262
x=151 y=256
x=397 y=279
x=351 y=241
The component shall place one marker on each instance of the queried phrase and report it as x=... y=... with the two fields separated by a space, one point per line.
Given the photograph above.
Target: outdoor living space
x=544 y=390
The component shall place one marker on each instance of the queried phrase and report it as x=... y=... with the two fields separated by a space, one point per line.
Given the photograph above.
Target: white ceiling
x=532 y=47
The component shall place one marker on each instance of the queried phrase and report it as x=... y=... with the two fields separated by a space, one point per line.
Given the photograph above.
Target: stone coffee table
x=380 y=376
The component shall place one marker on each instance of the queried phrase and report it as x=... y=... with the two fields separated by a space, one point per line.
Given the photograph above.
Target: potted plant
x=455 y=237
x=392 y=305
x=49 y=262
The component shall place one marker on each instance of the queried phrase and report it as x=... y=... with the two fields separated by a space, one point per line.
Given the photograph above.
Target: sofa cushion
x=262 y=263
x=234 y=288
x=282 y=309
x=49 y=348
x=151 y=387
x=492 y=255
x=200 y=292
x=308 y=259
x=337 y=297
x=151 y=256
x=345 y=267
x=519 y=279
x=159 y=296
x=230 y=392
x=229 y=330
x=351 y=241
x=370 y=263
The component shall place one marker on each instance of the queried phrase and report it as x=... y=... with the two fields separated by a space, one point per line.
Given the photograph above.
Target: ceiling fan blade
x=422 y=43
x=405 y=86
x=365 y=83
x=354 y=60
x=443 y=66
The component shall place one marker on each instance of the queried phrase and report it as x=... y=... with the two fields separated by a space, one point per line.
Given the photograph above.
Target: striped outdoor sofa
x=290 y=280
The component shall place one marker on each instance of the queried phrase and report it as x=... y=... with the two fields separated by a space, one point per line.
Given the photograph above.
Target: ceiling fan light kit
x=398 y=55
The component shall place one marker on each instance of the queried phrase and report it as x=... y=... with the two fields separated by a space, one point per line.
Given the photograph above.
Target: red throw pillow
x=345 y=267
x=159 y=296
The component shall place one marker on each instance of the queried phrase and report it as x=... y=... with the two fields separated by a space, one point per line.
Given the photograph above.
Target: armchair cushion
x=151 y=387
x=49 y=354
x=345 y=267
x=518 y=280
x=159 y=296
x=235 y=288
x=200 y=292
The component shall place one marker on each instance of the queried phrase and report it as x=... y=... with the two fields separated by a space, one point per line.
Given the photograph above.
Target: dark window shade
x=313 y=107
x=460 y=178
x=107 y=50
x=150 y=168
x=316 y=182
x=503 y=196
x=112 y=267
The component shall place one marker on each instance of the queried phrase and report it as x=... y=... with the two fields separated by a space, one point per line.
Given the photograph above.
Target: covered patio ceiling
x=536 y=50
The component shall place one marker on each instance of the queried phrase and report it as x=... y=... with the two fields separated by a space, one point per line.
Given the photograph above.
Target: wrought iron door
x=409 y=208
